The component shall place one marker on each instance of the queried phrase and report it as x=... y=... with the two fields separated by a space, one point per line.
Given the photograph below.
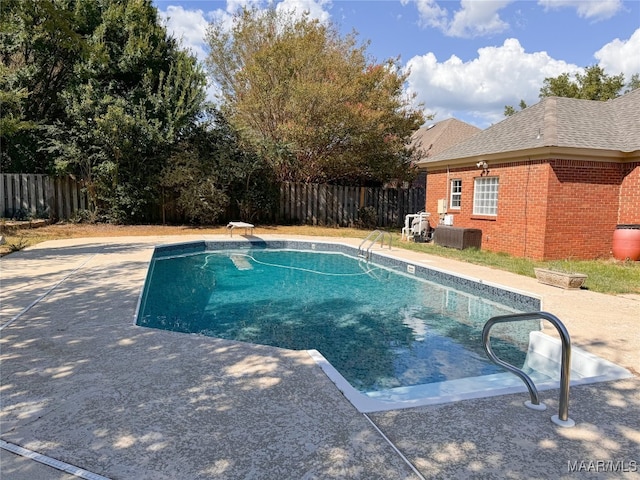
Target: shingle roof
x=438 y=137
x=558 y=122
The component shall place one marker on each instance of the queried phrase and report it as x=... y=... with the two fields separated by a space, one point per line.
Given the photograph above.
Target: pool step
x=241 y=262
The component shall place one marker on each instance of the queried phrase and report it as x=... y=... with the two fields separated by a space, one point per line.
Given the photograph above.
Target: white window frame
x=485 y=196
x=456 y=193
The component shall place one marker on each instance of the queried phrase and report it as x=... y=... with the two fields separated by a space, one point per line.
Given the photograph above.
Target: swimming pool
x=386 y=332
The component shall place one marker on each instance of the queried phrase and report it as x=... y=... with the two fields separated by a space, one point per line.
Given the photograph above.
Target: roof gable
x=438 y=137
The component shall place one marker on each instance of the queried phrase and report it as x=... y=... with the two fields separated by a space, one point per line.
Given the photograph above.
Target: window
x=456 y=194
x=485 y=196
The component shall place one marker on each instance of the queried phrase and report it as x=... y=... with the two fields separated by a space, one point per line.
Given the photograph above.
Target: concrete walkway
x=89 y=391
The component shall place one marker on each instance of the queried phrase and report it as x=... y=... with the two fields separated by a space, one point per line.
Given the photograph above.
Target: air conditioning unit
x=442 y=206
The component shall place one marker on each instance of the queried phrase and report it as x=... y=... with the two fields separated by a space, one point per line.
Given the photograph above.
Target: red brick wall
x=630 y=194
x=519 y=227
x=548 y=209
x=583 y=208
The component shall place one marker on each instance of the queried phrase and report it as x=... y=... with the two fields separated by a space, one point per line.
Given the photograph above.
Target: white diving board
x=248 y=227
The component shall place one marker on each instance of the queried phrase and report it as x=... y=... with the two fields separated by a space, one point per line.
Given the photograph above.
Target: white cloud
x=234 y=5
x=478 y=19
x=621 y=56
x=188 y=26
x=317 y=9
x=474 y=18
x=431 y=14
x=482 y=87
x=590 y=9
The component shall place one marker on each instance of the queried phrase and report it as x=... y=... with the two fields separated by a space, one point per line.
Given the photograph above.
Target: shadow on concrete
x=84 y=385
x=500 y=438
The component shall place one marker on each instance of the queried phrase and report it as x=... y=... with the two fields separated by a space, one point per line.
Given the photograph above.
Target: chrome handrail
x=380 y=236
x=562 y=418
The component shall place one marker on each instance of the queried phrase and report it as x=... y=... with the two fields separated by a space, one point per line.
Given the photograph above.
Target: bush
x=83 y=216
x=367 y=218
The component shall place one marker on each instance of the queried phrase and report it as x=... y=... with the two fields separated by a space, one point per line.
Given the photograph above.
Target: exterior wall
x=547 y=209
x=629 y=211
x=583 y=209
x=519 y=227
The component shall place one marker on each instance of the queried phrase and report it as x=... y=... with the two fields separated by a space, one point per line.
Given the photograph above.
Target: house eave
x=540 y=153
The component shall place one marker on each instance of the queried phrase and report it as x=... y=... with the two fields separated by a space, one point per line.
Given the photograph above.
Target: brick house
x=550 y=182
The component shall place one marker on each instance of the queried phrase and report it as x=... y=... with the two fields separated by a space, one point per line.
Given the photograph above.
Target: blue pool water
x=380 y=328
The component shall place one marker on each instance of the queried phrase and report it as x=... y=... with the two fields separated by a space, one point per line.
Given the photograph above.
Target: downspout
x=446 y=200
x=447 y=189
x=526 y=208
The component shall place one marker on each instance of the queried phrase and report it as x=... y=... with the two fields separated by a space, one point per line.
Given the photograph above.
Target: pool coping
x=586 y=369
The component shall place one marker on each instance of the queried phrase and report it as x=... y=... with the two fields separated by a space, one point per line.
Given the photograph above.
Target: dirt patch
x=19 y=235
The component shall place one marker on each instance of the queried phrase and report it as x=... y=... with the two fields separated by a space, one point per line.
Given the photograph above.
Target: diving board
x=248 y=228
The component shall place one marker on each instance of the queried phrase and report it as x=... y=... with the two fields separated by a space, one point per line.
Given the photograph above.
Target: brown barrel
x=626 y=242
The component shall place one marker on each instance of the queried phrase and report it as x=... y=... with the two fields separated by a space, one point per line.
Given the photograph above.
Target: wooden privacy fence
x=28 y=196
x=25 y=196
x=319 y=204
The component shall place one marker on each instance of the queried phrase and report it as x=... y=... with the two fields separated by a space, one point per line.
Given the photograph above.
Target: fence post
x=281 y=210
x=303 y=203
x=13 y=195
x=339 y=203
x=41 y=206
x=322 y=204
x=314 y=205
x=3 y=193
x=50 y=196
x=74 y=198
x=352 y=206
x=308 y=190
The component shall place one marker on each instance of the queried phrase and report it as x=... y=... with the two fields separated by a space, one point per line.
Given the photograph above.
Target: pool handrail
x=379 y=236
x=562 y=419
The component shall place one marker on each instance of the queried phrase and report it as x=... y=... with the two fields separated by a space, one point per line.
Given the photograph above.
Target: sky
x=466 y=59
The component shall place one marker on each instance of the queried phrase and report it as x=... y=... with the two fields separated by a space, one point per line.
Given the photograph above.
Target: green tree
x=135 y=93
x=39 y=48
x=209 y=175
x=633 y=83
x=509 y=110
x=594 y=84
x=12 y=118
x=309 y=100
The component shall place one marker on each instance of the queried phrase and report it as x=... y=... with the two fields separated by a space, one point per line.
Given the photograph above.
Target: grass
x=605 y=276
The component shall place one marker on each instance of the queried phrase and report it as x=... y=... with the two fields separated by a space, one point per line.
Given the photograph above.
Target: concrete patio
x=87 y=390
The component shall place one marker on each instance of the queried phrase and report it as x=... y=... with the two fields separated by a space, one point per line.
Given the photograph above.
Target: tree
x=210 y=174
x=633 y=83
x=12 y=118
x=133 y=95
x=594 y=84
x=309 y=100
x=509 y=110
x=38 y=49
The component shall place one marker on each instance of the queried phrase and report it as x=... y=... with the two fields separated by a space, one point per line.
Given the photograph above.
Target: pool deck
x=87 y=390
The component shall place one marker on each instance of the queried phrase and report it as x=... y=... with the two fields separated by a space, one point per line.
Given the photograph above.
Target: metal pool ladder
x=562 y=419
x=372 y=238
